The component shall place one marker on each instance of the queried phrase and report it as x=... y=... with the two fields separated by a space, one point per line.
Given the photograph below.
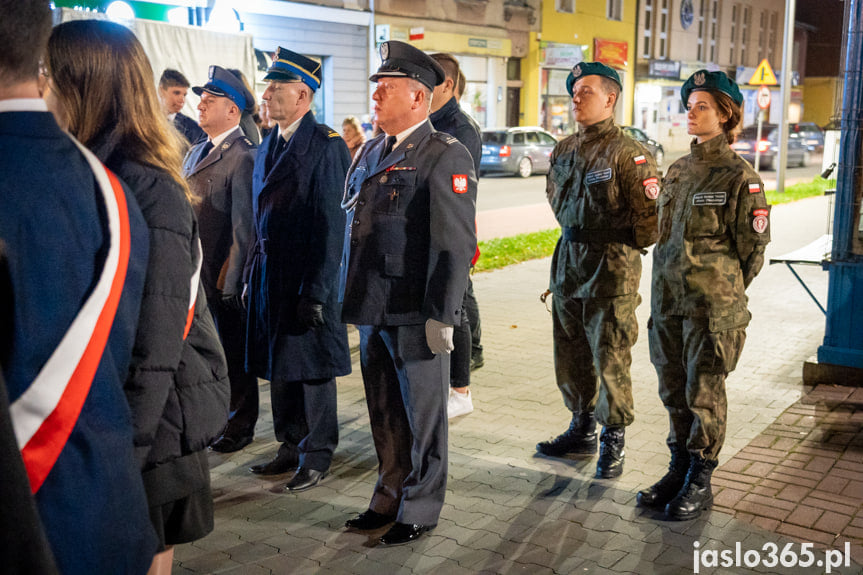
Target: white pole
x=787 y=53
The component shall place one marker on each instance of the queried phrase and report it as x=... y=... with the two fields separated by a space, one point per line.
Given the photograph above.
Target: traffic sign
x=763 y=97
x=763 y=74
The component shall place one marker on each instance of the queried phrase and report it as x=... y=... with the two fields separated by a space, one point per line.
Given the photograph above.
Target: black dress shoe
x=228 y=444
x=305 y=479
x=369 y=520
x=285 y=461
x=401 y=533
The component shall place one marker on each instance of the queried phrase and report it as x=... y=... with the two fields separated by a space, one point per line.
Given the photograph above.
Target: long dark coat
x=296 y=250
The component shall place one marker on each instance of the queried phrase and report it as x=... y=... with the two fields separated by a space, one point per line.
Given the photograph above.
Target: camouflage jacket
x=713 y=230
x=602 y=187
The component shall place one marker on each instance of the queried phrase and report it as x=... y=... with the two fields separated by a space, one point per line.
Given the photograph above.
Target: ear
x=449 y=84
x=612 y=99
x=419 y=99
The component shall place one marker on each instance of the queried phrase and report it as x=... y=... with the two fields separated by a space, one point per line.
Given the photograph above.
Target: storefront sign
x=611 y=52
x=561 y=55
x=664 y=69
x=687 y=69
x=477 y=43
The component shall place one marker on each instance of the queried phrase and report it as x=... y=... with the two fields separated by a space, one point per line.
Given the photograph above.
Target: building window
x=744 y=34
x=771 y=37
x=735 y=13
x=566 y=6
x=762 y=36
x=614 y=10
x=700 y=54
x=647 y=46
x=714 y=28
x=664 y=25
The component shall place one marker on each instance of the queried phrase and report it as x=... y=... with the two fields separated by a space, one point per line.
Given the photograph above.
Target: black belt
x=598 y=236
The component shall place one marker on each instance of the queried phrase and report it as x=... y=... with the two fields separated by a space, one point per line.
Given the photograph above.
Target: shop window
x=565 y=6
x=556 y=107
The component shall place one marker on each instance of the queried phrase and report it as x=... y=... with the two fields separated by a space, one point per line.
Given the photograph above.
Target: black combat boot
x=664 y=490
x=610 y=463
x=580 y=438
x=695 y=496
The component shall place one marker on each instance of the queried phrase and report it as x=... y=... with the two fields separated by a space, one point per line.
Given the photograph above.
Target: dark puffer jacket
x=177 y=388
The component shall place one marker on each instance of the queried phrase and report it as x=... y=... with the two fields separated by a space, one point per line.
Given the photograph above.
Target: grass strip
x=799 y=191
x=502 y=252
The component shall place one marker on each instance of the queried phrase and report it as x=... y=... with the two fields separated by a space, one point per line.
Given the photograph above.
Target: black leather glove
x=310 y=313
x=233 y=301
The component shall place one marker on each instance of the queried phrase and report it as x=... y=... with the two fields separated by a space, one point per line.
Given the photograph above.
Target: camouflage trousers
x=692 y=362
x=592 y=359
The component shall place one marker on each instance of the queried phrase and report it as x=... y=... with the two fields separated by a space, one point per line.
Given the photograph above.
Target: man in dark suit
x=219 y=172
x=447 y=116
x=76 y=247
x=173 y=87
x=411 y=205
x=295 y=335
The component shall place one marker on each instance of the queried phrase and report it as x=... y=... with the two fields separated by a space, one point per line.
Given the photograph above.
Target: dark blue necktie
x=391 y=141
x=205 y=151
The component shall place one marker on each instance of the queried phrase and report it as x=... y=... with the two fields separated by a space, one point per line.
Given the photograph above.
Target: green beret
x=583 y=69
x=716 y=81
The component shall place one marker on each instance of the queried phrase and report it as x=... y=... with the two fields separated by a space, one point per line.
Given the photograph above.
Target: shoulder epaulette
x=444 y=137
x=328 y=132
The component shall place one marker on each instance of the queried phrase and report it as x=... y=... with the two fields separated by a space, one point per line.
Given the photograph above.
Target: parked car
x=813 y=136
x=655 y=147
x=523 y=151
x=768 y=145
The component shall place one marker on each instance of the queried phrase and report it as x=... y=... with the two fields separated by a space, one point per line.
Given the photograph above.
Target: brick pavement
x=509 y=511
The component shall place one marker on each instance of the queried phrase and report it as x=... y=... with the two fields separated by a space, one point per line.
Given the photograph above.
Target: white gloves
x=438 y=336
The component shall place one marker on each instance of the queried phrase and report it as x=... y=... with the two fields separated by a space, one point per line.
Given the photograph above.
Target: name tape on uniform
x=597 y=176
x=709 y=199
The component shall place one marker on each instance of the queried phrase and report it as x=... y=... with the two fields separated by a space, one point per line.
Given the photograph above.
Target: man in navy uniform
x=219 y=172
x=295 y=335
x=71 y=290
x=411 y=201
x=447 y=116
x=173 y=87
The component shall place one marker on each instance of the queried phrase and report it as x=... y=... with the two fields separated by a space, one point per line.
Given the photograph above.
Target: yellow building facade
x=573 y=31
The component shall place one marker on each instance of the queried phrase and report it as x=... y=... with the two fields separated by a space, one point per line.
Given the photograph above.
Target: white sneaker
x=458 y=404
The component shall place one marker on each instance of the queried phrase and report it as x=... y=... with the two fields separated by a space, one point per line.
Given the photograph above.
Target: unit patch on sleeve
x=651 y=188
x=459 y=183
x=597 y=176
x=759 y=220
x=754 y=188
x=709 y=199
x=640 y=159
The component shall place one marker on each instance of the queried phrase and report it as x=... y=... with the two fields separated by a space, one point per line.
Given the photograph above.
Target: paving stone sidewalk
x=508 y=510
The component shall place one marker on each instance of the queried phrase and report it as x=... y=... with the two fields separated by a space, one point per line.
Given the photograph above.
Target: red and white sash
x=196 y=278
x=45 y=414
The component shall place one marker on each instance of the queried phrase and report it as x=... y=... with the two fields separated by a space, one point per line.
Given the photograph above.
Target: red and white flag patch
x=754 y=188
x=640 y=159
x=459 y=183
x=759 y=220
x=651 y=188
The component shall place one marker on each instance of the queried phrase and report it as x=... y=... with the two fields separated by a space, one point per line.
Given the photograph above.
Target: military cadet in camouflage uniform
x=713 y=229
x=603 y=188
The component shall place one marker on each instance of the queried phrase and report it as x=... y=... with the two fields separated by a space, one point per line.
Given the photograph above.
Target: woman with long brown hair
x=713 y=230
x=100 y=87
